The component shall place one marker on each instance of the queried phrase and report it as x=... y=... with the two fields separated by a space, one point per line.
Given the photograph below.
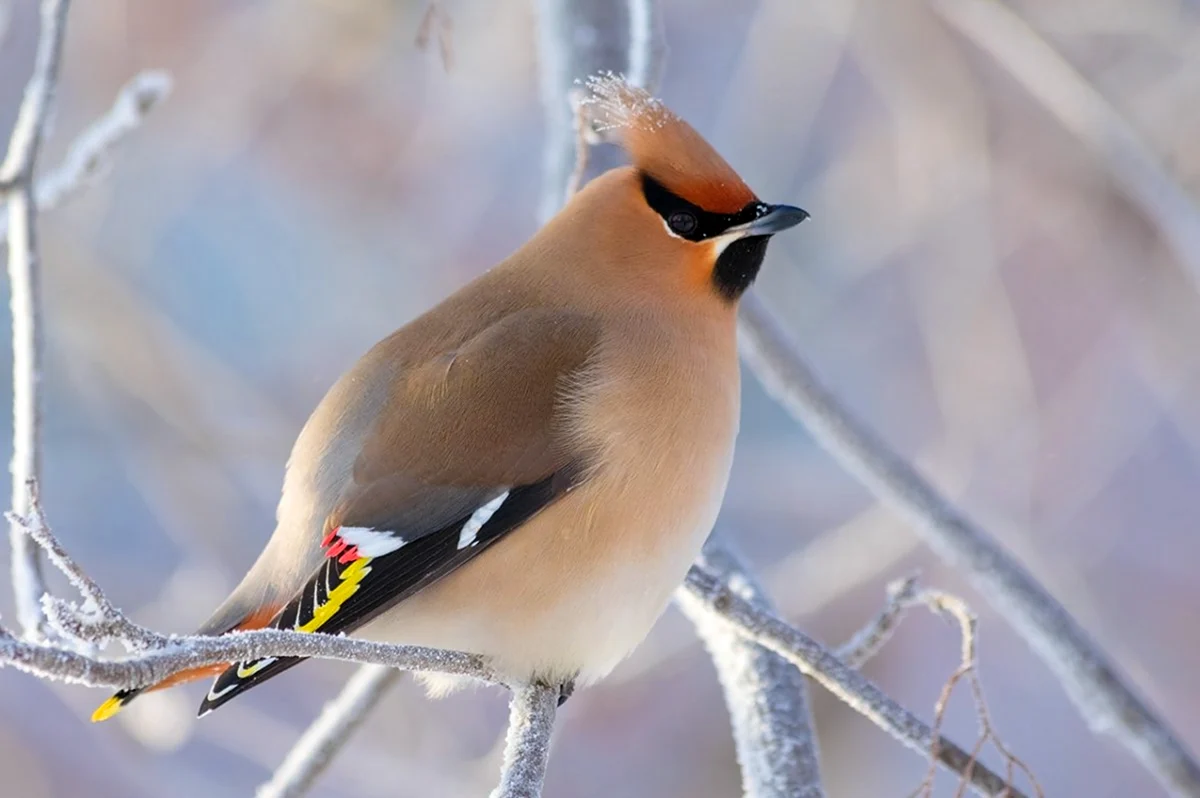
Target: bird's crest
x=662 y=145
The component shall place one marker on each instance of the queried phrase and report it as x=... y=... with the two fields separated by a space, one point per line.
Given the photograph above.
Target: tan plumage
x=587 y=387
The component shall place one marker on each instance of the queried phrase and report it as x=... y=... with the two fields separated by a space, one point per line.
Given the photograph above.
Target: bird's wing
x=468 y=447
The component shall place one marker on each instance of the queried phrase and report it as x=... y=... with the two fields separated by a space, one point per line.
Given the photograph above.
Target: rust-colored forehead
x=664 y=146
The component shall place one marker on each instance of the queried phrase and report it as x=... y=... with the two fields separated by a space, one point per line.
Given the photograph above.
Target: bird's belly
x=576 y=589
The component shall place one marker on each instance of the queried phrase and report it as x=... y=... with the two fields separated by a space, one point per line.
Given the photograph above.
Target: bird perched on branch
x=526 y=471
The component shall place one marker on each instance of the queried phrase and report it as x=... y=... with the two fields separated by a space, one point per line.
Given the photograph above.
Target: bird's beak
x=774 y=219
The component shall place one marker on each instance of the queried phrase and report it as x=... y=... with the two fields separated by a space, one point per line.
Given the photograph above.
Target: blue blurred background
x=972 y=282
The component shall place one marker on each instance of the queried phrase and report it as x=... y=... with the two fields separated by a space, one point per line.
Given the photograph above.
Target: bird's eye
x=682 y=222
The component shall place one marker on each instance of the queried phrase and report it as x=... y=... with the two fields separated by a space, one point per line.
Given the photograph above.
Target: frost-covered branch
x=90 y=153
x=332 y=729
x=850 y=687
x=25 y=142
x=527 y=748
x=1100 y=692
x=872 y=637
x=766 y=695
x=23 y=195
x=93 y=622
x=156 y=657
x=16 y=184
x=176 y=654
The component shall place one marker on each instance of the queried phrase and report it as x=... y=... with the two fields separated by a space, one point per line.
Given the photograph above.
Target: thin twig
x=437 y=22
x=867 y=642
x=96 y=620
x=16 y=181
x=847 y=684
x=766 y=696
x=902 y=596
x=91 y=152
x=324 y=739
x=1098 y=690
x=527 y=750
x=968 y=668
x=583 y=139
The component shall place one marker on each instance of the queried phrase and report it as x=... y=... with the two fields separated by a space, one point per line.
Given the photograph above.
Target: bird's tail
x=122 y=697
x=241 y=676
x=255 y=620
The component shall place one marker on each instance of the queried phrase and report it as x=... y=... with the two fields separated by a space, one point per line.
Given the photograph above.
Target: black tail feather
x=231 y=684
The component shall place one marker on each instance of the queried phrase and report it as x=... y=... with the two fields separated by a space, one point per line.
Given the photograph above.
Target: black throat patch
x=738 y=265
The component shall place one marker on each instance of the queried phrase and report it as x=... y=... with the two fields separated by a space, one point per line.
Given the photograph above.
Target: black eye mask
x=691 y=221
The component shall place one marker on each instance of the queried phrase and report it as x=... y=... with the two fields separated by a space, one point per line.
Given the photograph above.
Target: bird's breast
x=662 y=418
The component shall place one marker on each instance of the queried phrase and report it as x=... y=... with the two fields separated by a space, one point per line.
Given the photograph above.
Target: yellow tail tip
x=106 y=710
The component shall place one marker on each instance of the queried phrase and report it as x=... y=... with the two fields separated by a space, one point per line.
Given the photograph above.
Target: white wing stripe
x=213 y=694
x=480 y=517
x=371 y=542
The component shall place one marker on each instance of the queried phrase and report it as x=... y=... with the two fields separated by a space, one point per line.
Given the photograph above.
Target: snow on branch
x=903 y=595
x=872 y=637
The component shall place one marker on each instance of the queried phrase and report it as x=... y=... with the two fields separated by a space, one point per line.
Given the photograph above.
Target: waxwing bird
x=527 y=470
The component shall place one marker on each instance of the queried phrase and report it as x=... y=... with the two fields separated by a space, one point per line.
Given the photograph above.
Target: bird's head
x=678 y=198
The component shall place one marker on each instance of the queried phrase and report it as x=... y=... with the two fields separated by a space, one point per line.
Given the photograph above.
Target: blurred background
x=974 y=282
